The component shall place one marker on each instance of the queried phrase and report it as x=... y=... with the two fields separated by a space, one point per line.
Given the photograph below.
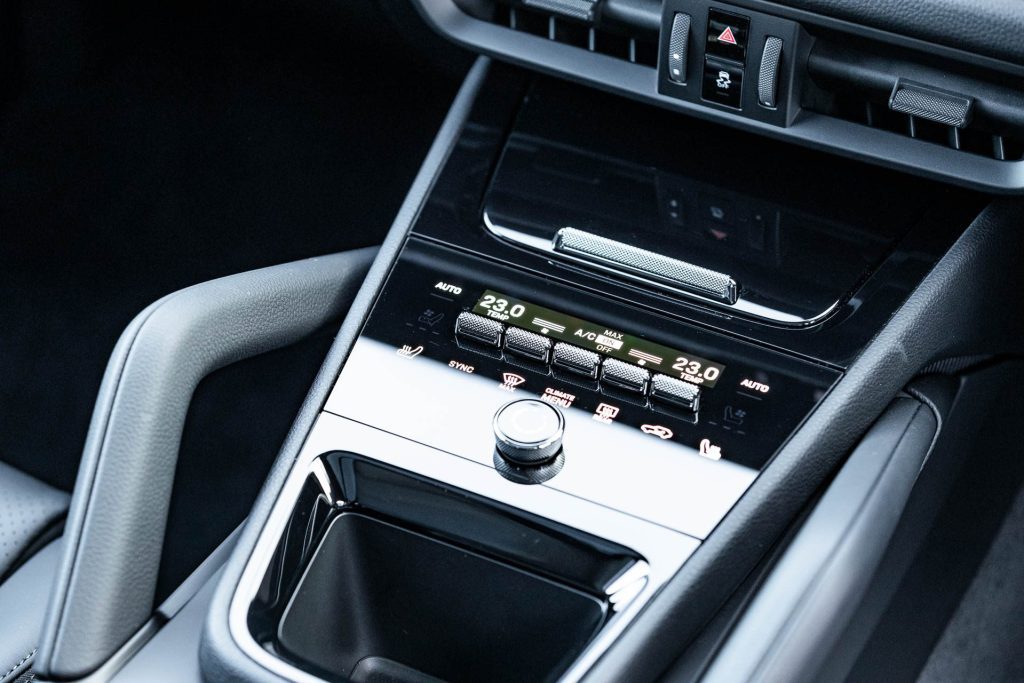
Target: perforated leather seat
x=31 y=514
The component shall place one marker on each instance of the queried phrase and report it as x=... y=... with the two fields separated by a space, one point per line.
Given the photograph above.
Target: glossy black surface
x=787 y=252
x=760 y=397
x=864 y=234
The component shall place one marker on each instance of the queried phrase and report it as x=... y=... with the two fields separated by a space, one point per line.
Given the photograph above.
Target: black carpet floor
x=148 y=146
x=984 y=640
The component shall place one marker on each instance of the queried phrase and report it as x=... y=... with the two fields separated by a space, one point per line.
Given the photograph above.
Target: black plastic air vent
x=972 y=139
x=542 y=18
x=840 y=84
x=858 y=86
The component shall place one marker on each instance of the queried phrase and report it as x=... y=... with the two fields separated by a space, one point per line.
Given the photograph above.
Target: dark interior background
x=147 y=146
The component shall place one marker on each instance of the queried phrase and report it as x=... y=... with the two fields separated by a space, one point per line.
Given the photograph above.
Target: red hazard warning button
x=727 y=35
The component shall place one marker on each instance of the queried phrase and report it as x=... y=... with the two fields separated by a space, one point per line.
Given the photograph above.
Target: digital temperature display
x=600 y=338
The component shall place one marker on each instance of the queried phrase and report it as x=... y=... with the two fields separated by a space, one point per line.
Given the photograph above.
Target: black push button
x=727 y=35
x=625 y=376
x=723 y=83
x=477 y=328
x=675 y=392
x=528 y=344
x=577 y=360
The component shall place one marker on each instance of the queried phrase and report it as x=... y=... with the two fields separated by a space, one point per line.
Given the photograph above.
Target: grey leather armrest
x=115 y=528
x=808 y=598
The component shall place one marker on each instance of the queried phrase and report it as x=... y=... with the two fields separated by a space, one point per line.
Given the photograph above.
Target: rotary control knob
x=529 y=432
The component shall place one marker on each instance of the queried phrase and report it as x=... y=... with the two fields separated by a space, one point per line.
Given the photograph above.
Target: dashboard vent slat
x=537 y=20
x=898 y=91
x=968 y=139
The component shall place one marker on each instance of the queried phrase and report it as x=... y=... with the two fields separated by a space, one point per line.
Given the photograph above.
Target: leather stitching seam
x=17 y=666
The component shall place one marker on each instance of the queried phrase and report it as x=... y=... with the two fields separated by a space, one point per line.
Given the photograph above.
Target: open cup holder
x=385 y=576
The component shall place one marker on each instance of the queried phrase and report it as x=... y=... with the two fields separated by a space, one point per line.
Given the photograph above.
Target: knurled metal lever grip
x=933 y=104
x=582 y=10
x=679 y=47
x=658 y=269
x=768 y=75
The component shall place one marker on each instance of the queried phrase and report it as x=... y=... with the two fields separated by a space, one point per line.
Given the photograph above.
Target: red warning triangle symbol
x=726 y=36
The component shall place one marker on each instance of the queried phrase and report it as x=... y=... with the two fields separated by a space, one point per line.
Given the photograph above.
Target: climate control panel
x=453 y=337
x=613 y=375
x=549 y=385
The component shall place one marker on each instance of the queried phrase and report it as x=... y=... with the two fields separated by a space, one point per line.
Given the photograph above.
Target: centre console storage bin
x=378 y=599
x=390 y=577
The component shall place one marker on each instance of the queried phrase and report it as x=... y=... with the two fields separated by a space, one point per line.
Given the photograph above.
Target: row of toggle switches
x=610 y=371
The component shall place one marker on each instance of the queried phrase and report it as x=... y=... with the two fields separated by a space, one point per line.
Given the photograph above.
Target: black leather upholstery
x=30 y=513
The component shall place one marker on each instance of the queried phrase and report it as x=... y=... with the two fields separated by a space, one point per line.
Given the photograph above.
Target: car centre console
x=792 y=70
x=604 y=323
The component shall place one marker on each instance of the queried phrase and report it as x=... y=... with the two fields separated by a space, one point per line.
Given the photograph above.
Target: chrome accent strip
x=660 y=269
x=628 y=585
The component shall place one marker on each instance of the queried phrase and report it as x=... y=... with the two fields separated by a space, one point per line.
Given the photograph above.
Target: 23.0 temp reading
x=691 y=370
x=501 y=307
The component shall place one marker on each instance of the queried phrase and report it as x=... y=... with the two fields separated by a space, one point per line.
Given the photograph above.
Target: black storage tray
x=383 y=575
x=379 y=601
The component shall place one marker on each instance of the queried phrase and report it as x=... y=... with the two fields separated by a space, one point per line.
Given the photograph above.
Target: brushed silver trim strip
x=658 y=268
